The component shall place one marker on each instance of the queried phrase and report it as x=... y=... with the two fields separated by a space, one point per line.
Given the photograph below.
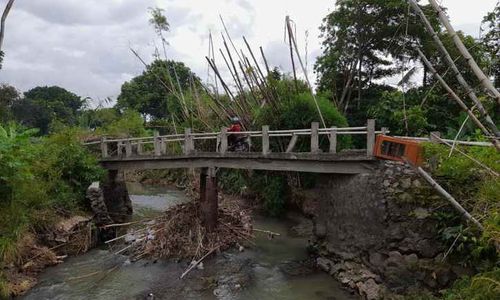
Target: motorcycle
x=240 y=144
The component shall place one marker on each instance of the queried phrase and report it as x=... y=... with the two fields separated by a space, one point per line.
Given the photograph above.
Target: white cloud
x=84 y=45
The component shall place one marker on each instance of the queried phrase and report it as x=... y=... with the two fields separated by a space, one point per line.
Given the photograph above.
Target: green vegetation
x=41 y=178
x=477 y=190
x=45 y=170
x=484 y=286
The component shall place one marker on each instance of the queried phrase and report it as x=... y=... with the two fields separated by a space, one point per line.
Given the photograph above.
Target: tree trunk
x=2 y=22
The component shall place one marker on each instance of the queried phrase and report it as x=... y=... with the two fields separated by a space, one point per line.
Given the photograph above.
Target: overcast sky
x=83 y=46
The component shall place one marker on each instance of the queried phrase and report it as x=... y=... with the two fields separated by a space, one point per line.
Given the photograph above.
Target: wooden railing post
x=188 y=141
x=370 y=136
x=157 y=144
x=223 y=140
x=333 y=140
x=265 y=139
x=104 y=148
x=128 y=148
x=315 y=137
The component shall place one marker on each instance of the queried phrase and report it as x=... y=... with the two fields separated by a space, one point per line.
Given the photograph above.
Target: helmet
x=235 y=120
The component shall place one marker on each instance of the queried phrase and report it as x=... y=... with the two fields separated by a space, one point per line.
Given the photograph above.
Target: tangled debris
x=179 y=233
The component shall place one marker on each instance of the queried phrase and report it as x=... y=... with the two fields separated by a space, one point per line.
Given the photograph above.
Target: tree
x=42 y=106
x=151 y=95
x=490 y=41
x=8 y=96
x=2 y=27
x=365 y=40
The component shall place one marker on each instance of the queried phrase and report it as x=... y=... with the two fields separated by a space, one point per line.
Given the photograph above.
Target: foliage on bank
x=477 y=190
x=41 y=178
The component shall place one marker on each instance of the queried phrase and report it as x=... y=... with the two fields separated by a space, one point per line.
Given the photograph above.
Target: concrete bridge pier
x=209 y=198
x=116 y=197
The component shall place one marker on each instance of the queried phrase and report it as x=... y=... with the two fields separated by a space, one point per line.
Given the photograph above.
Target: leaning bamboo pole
x=491 y=171
x=483 y=79
x=449 y=197
x=457 y=98
x=290 y=34
x=489 y=122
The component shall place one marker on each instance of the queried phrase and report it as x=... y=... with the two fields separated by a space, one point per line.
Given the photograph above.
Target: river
x=275 y=268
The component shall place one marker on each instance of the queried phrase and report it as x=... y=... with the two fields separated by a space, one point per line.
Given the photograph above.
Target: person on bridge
x=235 y=127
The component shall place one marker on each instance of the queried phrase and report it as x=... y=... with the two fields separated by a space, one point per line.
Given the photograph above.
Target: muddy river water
x=271 y=269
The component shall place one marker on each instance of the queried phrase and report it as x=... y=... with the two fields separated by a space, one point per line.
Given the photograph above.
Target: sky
x=84 y=46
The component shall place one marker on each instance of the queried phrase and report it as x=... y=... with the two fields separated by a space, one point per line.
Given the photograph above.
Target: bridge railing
x=162 y=145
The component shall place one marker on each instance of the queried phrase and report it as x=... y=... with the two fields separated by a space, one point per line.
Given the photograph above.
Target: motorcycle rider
x=235 y=127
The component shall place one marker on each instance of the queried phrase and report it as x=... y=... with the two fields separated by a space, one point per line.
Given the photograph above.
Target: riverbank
x=277 y=268
x=66 y=236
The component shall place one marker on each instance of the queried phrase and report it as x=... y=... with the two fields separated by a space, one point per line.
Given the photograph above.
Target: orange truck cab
x=391 y=148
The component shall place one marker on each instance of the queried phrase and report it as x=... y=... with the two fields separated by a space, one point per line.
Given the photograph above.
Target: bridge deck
x=348 y=162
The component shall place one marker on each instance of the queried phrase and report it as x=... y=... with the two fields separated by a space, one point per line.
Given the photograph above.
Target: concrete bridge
x=209 y=151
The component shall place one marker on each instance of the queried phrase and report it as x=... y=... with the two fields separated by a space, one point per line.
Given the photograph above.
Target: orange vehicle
x=398 y=149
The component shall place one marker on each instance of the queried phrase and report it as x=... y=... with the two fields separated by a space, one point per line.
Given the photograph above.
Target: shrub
x=298 y=113
x=129 y=124
x=39 y=175
x=477 y=190
x=483 y=286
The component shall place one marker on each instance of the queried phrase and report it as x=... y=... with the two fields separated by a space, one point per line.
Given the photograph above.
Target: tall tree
x=8 y=96
x=147 y=93
x=2 y=27
x=491 y=42
x=42 y=106
x=365 y=40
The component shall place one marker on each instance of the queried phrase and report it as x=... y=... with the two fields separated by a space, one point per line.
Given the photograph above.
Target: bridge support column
x=209 y=198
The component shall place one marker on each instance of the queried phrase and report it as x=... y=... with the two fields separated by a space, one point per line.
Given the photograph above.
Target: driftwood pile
x=178 y=233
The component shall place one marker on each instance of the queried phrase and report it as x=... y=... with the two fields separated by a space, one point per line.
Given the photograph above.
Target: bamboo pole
x=449 y=197
x=249 y=83
x=265 y=61
x=457 y=98
x=214 y=67
x=290 y=34
x=292 y=59
x=483 y=79
x=229 y=37
x=198 y=261
x=262 y=77
x=491 y=171
x=458 y=75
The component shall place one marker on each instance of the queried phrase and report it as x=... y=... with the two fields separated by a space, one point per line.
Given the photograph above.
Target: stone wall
x=374 y=232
